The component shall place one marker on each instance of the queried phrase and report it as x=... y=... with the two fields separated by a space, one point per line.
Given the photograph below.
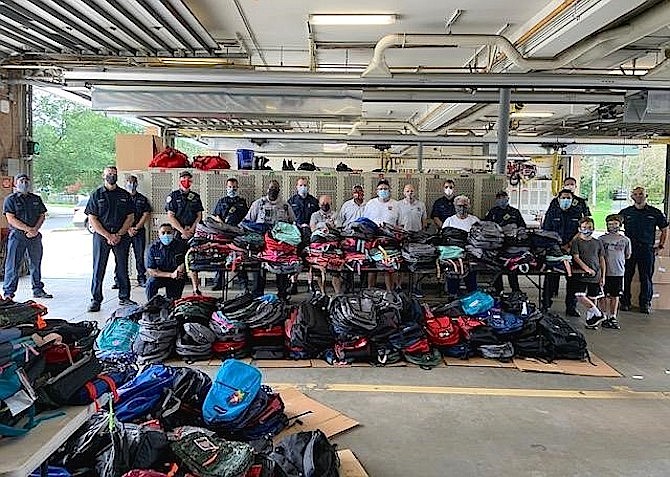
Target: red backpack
x=207 y=163
x=441 y=330
x=169 y=158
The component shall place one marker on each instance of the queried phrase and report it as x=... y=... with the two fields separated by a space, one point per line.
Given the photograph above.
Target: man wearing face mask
x=444 y=206
x=504 y=214
x=382 y=209
x=640 y=222
x=269 y=210
x=563 y=220
x=184 y=207
x=111 y=214
x=353 y=208
x=579 y=203
x=25 y=215
x=412 y=211
x=166 y=264
x=325 y=216
x=138 y=237
x=303 y=203
x=463 y=220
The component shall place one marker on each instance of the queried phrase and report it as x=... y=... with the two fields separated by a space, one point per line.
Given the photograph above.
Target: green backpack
x=207 y=455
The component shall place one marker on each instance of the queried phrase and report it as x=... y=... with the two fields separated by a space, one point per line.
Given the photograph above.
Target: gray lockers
x=158 y=183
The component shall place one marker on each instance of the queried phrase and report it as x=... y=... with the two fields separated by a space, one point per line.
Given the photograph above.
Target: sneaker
x=611 y=323
x=126 y=302
x=593 y=319
x=9 y=297
x=42 y=294
x=93 y=307
x=623 y=307
x=645 y=311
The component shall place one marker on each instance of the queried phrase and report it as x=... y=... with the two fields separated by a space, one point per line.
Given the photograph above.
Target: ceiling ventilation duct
x=647 y=107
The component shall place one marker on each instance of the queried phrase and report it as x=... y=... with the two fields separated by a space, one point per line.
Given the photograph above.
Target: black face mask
x=325 y=207
x=273 y=194
x=111 y=179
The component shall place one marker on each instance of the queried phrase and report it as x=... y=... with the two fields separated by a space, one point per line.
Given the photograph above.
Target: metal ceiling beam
x=189 y=28
x=394 y=96
x=422 y=82
x=57 y=15
x=25 y=22
x=398 y=139
x=22 y=38
x=121 y=26
x=143 y=28
x=166 y=24
x=61 y=35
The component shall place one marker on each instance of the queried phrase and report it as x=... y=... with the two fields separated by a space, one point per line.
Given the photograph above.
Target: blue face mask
x=231 y=192
x=585 y=231
x=502 y=203
x=565 y=203
x=131 y=187
x=22 y=187
x=166 y=239
x=384 y=194
x=303 y=190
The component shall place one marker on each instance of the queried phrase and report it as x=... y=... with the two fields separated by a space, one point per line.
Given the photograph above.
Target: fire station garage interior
x=422 y=274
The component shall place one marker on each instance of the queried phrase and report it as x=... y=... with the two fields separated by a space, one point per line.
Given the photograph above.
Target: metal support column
x=503 y=130
x=419 y=157
x=666 y=189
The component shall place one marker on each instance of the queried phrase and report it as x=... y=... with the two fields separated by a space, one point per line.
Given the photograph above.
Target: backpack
x=12 y=386
x=306 y=454
x=441 y=330
x=476 y=302
x=486 y=235
x=117 y=336
x=503 y=352
x=183 y=400
x=425 y=360
x=206 y=455
x=311 y=328
x=504 y=323
x=563 y=340
x=142 y=396
x=169 y=158
x=233 y=390
x=206 y=163
x=57 y=389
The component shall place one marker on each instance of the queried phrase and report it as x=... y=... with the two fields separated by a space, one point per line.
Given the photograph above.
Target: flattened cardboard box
x=350 y=466
x=329 y=420
x=478 y=361
x=599 y=367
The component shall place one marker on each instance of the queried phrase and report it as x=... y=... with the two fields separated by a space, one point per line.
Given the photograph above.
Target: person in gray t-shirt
x=617 y=251
x=588 y=253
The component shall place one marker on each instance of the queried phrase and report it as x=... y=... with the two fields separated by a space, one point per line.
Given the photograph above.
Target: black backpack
x=564 y=341
x=311 y=329
x=305 y=454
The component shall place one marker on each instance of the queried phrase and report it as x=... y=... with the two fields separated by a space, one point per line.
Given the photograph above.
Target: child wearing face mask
x=589 y=254
x=617 y=250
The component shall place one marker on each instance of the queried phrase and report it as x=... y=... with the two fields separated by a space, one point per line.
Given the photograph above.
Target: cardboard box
x=661 y=270
x=6 y=188
x=135 y=151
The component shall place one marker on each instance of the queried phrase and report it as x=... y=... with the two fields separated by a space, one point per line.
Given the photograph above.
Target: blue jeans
x=17 y=245
x=642 y=257
x=174 y=287
x=453 y=284
x=101 y=251
x=139 y=243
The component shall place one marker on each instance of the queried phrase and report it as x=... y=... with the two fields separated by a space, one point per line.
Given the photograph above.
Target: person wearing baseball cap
x=25 y=213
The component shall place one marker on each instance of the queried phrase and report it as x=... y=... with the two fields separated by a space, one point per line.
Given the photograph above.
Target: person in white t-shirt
x=412 y=211
x=382 y=210
x=463 y=220
x=353 y=208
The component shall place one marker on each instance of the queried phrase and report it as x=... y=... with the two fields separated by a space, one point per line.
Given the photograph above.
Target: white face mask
x=448 y=191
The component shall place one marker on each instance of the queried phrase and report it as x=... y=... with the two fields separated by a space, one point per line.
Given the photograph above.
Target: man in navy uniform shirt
x=443 y=208
x=563 y=220
x=230 y=209
x=504 y=214
x=640 y=221
x=304 y=205
x=25 y=215
x=184 y=207
x=166 y=264
x=111 y=214
x=138 y=236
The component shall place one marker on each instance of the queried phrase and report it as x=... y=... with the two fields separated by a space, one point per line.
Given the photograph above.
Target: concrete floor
x=438 y=431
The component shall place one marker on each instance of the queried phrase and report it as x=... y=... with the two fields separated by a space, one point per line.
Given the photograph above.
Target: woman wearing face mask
x=166 y=264
x=444 y=206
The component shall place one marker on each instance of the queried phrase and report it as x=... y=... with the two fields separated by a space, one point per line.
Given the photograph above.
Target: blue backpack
x=504 y=323
x=476 y=302
x=143 y=395
x=234 y=389
x=118 y=335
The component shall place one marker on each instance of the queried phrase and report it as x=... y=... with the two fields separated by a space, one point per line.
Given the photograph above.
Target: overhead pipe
x=650 y=21
x=396 y=125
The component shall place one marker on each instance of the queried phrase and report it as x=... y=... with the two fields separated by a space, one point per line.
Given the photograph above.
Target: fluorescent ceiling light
x=527 y=134
x=458 y=133
x=336 y=147
x=356 y=19
x=194 y=61
x=337 y=126
x=532 y=114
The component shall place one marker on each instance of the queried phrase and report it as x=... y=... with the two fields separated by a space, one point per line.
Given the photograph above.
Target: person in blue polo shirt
x=25 y=215
x=111 y=214
x=184 y=207
x=640 y=221
x=166 y=265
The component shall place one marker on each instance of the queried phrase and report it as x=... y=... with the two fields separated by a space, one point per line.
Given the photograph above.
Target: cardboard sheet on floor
x=599 y=368
x=478 y=361
x=282 y=363
x=329 y=420
x=219 y=361
x=319 y=363
x=350 y=466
